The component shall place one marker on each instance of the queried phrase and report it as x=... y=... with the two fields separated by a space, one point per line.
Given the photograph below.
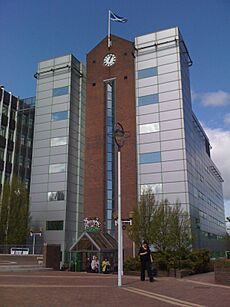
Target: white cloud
x=220 y=153
x=214 y=99
x=195 y=95
x=227 y=209
x=227 y=119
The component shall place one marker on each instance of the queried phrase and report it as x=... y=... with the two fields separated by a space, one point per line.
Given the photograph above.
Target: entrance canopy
x=94 y=242
x=91 y=244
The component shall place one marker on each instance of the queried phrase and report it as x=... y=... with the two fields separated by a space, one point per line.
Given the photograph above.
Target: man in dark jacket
x=145 y=258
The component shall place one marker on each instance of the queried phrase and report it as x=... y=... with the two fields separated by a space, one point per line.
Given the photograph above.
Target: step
x=23 y=268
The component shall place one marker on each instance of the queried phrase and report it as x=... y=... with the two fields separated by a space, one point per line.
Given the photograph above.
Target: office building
x=16 y=137
x=145 y=86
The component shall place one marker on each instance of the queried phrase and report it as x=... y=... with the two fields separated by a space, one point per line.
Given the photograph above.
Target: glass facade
x=24 y=140
x=109 y=202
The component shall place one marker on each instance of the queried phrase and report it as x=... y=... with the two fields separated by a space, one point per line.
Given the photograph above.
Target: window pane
x=150 y=157
x=148 y=99
x=3 y=131
x=156 y=187
x=1 y=153
x=57 y=168
x=60 y=91
x=54 y=225
x=147 y=72
x=59 y=195
x=59 y=115
x=149 y=128
x=59 y=141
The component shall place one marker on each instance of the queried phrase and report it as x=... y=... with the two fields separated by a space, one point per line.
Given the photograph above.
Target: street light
x=34 y=234
x=119 y=137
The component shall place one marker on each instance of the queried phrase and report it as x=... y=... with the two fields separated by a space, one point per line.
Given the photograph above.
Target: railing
x=7 y=248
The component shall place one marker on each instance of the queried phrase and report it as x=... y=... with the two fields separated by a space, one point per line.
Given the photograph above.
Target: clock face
x=109 y=59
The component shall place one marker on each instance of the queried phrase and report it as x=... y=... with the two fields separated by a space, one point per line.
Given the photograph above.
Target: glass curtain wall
x=110 y=157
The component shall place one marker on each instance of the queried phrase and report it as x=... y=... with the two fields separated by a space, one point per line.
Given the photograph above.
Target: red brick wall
x=123 y=71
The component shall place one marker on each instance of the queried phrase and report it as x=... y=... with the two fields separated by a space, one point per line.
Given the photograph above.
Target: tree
x=165 y=225
x=14 y=218
x=142 y=217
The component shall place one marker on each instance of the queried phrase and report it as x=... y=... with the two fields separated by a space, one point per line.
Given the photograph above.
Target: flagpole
x=109 y=41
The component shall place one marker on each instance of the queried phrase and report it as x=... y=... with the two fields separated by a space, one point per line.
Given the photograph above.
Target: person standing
x=94 y=265
x=105 y=266
x=145 y=259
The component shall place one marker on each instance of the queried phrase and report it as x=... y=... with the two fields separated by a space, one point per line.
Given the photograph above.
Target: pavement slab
x=61 y=289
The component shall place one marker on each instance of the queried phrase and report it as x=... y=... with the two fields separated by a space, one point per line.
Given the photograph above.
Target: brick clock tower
x=110 y=99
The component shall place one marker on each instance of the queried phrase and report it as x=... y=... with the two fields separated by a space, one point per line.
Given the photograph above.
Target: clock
x=109 y=59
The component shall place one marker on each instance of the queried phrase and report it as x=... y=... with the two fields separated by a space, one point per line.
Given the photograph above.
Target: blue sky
x=32 y=31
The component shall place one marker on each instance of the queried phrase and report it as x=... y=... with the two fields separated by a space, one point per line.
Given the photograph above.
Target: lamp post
x=34 y=234
x=119 y=137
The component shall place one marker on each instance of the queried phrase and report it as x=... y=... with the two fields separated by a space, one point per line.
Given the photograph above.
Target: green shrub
x=132 y=264
x=201 y=260
x=162 y=261
x=220 y=263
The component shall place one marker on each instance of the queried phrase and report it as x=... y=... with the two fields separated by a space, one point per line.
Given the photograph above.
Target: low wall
x=222 y=275
x=19 y=259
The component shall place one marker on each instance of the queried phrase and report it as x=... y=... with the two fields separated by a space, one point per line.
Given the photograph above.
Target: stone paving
x=48 y=289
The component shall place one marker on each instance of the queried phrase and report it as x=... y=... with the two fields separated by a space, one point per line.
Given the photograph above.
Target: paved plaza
x=85 y=290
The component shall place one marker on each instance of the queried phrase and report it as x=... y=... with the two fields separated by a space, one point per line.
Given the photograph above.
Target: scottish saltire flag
x=117 y=18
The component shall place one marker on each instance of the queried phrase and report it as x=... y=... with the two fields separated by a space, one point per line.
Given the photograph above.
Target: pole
x=33 y=242
x=109 y=41
x=119 y=217
x=122 y=271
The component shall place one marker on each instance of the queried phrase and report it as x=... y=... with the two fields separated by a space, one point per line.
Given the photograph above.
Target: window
x=7 y=177
x=12 y=114
x=150 y=157
x=59 y=195
x=5 y=109
x=22 y=140
x=148 y=99
x=59 y=115
x=54 y=225
x=31 y=121
x=147 y=72
x=3 y=131
x=21 y=160
x=59 y=91
x=59 y=141
x=9 y=156
x=29 y=143
x=57 y=168
x=156 y=187
x=149 y=128
x=11 y=134
x=1 y=154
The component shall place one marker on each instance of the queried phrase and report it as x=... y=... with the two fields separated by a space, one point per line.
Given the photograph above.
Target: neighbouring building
x=16 y=137
x=24 y=140
x=58 y=151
